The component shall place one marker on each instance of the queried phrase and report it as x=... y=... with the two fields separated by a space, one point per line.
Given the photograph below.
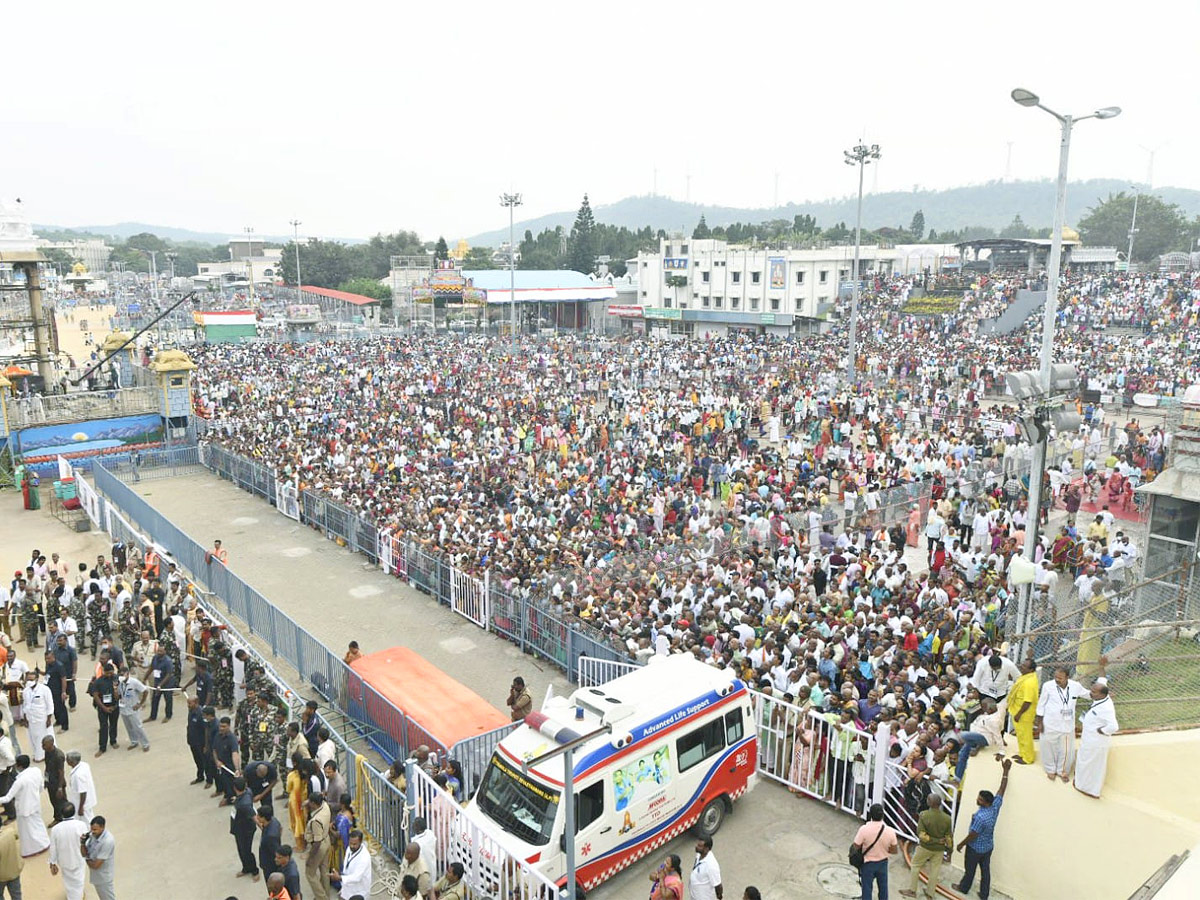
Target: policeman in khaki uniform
x=316 y=838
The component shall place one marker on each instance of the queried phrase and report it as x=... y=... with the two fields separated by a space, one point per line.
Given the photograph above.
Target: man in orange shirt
x=220 y=554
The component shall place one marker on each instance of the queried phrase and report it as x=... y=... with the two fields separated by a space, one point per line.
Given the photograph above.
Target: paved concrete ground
x=335 y=594
x=172 y=841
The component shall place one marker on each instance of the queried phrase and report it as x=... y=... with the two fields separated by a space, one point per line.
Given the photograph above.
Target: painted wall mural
x=42 y=445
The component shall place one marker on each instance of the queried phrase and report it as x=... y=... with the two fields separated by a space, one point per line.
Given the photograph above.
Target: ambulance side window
x=589 y=805
x=733 y=727
x=697 y=746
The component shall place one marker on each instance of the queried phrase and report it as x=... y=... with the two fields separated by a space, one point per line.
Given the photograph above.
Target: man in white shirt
x=1098 y=725
x=326 y=748
x=1055 y=723
x=81 y=789
x=426 y=840
x=26 y=791
x=356 y=869
x=705 y=880
x=1045 y=575
x=994 y=675
x=65 y=858
x=37 y=706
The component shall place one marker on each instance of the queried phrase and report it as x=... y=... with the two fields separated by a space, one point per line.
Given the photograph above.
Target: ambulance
x=682 y=748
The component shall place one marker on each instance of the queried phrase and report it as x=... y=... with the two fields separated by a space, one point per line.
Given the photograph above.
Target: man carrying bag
x=873 y=844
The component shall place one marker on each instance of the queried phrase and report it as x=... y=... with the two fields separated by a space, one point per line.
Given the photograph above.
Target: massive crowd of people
x=731 y=498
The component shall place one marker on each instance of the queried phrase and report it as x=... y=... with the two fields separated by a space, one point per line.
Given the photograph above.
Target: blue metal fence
x=386 y=727
x=530 y=622
x=378 y=802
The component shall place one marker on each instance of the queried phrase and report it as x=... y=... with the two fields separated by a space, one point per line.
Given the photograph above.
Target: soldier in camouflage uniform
x=166 y=640
x=99 y=618
x=78 y=612
x=243 y=724
x=221 y=665
x=262 y=745
x=129 y=628
x=30 y=613
x=50 y=609
x=279 y=743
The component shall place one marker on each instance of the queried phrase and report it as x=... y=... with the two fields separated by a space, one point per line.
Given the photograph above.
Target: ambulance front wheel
x=711 y=818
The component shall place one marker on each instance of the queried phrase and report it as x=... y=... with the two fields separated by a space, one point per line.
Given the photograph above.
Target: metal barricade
x=813 y=755
x=506 y=616
x=474 y=752
x=469 y=597
x=379 y=805
x=287 y=499
x=591 y=671
x=905 y=796
x=469 y=838
x=545 y=634
x=842 y=765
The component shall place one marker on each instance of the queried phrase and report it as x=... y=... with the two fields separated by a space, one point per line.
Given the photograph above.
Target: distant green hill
x=125 y=230
x=992 y=205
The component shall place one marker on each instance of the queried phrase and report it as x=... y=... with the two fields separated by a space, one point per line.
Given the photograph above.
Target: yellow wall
x=1052 y=841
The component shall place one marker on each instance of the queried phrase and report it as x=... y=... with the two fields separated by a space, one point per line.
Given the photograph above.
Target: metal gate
x=469 y=597
x=591 y=671
x=841 y=765
x=287 y=499
x=466 y=836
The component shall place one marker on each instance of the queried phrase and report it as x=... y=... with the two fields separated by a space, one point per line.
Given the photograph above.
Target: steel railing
x=393 y=733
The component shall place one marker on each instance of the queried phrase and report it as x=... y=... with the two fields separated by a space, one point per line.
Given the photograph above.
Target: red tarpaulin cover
x=445 y=708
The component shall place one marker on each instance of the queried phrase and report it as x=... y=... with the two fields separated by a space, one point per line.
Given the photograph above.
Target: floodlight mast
x=860 y=155
x=1024 y=97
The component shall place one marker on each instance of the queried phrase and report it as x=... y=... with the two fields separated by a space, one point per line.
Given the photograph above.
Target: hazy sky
x=357 y=117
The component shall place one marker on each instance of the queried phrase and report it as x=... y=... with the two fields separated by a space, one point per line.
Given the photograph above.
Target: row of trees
x=134 y=253
x=804 y=229
x=586 y=242
x=1161 y=228
x=331 y=264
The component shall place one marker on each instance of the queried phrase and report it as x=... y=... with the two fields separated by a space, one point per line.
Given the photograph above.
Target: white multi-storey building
x=710 y=287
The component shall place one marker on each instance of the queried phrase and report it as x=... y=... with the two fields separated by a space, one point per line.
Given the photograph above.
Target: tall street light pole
x=296 y=223
x=1132 y=230
x=860 y=155
x=250 y=261
x=512 y=201
x=1038 y=470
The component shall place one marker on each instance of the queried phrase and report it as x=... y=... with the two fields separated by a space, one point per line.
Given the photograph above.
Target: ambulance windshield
x=517 y=803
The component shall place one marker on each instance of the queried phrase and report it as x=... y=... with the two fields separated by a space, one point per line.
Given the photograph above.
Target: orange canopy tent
x=445 y=709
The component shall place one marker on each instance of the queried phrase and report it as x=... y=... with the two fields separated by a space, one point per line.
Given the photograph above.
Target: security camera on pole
x=1043 y=386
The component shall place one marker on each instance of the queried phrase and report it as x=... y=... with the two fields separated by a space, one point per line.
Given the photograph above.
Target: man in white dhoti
x=26 y=791
x=1097 y=727
x=65 y=858
x=81 y=789
x=37 y=705
x=1055 y=723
